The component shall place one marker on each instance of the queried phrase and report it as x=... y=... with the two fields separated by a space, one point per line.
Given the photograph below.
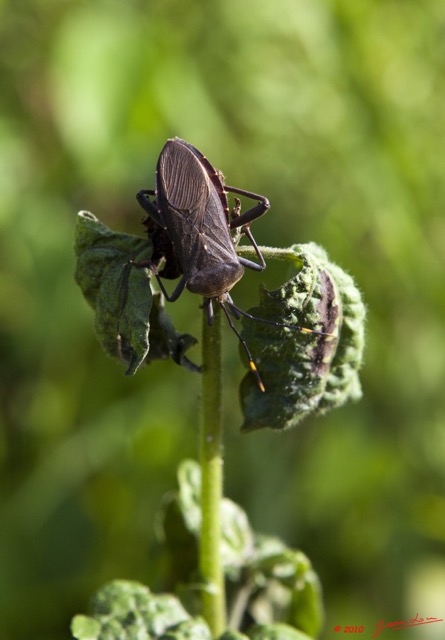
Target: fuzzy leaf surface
x=304 y=373
x=195 y=629
x=128 y=609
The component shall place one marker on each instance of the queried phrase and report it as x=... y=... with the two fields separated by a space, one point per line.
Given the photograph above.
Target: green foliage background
x=335 y=110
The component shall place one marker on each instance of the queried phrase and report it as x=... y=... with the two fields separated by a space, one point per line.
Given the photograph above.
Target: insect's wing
x=215 y=230
x=182 y=182
x=215 y=176
x=192 y=208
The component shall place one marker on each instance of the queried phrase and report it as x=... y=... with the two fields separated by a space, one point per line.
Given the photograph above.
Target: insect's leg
x=232 y=307
x=245 y=219
x=245 y=347
x=237 y=312
x=251 y=214
x=147 y=264
x=177 y=291
x=149 y=206
x=209 y=310
x=249 y=263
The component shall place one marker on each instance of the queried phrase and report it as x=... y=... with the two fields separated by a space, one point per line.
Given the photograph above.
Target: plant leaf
x=131 y=323
x=123 y=307
x=182 y=514
x=265 y=577
x=287 y=587
x=195 y=629
x=273 y=560
x=98 y=248
x=165 y=341
x=307 y=606
x=304 y=373
x=85 y=628
x=276 y=632
x=128 y=609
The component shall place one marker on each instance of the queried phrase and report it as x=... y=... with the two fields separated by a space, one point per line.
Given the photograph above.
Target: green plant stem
x=272 y=253
x=211 y=459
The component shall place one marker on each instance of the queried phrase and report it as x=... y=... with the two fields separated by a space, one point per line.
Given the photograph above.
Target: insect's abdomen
x=214 y=281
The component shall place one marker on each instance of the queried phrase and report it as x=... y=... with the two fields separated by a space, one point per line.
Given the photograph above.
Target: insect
x=191 y=207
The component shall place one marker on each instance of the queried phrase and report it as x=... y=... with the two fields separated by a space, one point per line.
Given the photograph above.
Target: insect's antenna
x=239 y=311
x=245 y=347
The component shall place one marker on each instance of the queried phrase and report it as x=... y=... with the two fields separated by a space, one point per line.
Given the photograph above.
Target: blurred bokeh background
x=334 y=109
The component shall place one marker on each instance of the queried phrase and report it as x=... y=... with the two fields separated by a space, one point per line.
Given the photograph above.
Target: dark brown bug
x=192 y=209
